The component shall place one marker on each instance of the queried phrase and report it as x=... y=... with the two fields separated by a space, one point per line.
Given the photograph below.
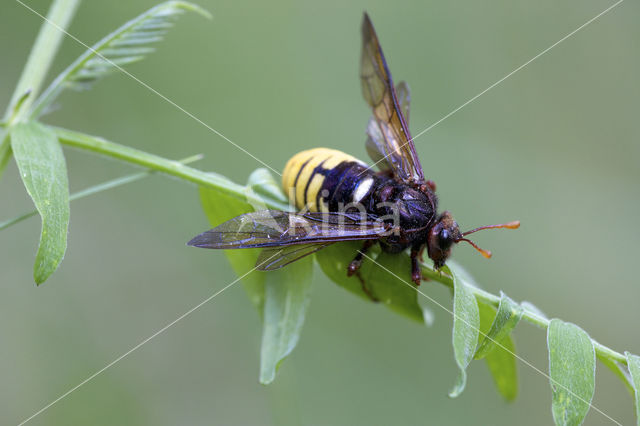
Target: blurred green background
x=555 y=145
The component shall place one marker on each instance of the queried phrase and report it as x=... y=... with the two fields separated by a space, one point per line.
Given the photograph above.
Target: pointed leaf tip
x=505 y=320
x=287 y=296
x=43 y=170
x=193 y=8
x=501 y=360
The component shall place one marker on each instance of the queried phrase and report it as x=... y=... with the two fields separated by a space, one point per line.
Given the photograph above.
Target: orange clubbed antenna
x=510 y=225
x=486 y=253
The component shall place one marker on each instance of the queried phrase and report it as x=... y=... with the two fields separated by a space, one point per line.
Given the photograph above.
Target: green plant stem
x=114 y=183
x=5 y=149
x=528 y=316
x=35 y=70
x=607 y=352
x=42 y=54
x=154 y=162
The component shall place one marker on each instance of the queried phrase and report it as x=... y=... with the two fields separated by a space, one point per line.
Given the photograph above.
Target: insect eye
x=444 y=238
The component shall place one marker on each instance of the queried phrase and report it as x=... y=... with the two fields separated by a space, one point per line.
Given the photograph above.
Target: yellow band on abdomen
x=302 y=178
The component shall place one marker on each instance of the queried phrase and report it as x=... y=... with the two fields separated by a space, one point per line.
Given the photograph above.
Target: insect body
x=340 y=198
x=326 y=180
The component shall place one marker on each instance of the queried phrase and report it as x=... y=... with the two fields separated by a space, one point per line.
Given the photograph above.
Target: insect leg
x=366 y=288
x=357 y=261
x=416 y=273
x=354 y=267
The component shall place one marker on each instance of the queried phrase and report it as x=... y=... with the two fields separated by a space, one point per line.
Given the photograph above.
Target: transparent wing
x=403 y=94
x=272 y=258
x=392 y=139
x=273 y=228
x=375 y=141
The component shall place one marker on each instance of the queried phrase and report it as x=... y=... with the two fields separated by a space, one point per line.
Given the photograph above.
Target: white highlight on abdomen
x=362 y=189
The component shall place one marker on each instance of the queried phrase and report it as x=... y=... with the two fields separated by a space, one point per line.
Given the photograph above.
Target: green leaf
x=634 y=368
x=466 y=323
x=43 y=170
x=388 y=279
x=335 y=259
x=281 y=297
x=128 y=44
x=508 y=316
x=262 y=183
x=220 y=207
x=287 y=295
x=501 y=360
x=618 y=369
x=390 y=282
x=41 y=56
x=572 y=368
